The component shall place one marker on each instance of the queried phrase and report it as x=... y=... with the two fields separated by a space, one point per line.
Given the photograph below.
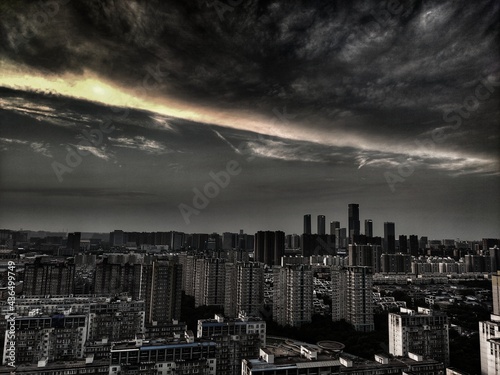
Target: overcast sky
x=311 y=105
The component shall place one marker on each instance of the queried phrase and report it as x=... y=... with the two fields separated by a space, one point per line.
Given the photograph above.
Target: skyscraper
x=368 y=228
x=293 y=294
x=333 y=226
x=403 y=244
x=389 y=238
x=353 y=220
x=352 y=297
x=321 y=224
x=307 y=224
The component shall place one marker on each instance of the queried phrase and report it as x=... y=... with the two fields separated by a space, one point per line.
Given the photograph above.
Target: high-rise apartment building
x=423 y=332
x=161 y=288
x=389 y=238
x=354 y=224
x=293 y=294
x=46 y=276
x=352 y=298
x=244 y=289
x=210 y=282
x=403 y=244
x=118 y=273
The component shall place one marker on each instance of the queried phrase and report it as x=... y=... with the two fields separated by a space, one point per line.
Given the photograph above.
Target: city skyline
x=197 y=118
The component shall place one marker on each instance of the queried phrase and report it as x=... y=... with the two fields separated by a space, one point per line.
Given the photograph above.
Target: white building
x=423 y=332
x=489 y=334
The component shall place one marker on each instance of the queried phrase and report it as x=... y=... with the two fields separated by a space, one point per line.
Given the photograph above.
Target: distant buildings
x=423 y=332
x=352 y=298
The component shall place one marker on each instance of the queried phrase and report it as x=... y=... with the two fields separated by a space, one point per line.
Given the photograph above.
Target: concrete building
x=174 y=355
x=210 y=282
x=423 y=332
x=244 y=289
x=489 y=333
x=352 y=296
x=235 y=338
x=293 y=294
x=46 y=276
x=161 y=289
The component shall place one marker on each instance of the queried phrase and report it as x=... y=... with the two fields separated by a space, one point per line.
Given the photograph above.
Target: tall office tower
x=369 y=228
x=236 y=339
x=293 y=294
x=210 y=282
x=244 y=289
x=389 y=238
x=307 y=224
x=423 y=332
x=341 y=240
x=334 y=225
x=118 y=273
x=413 y=242
x=354 y=224
x=365 y=256
x=321 y=224
x=403 y=244
x=489 y=333
x=49 y=277
x=161 y=288
x=352 y=297
x=269 y=247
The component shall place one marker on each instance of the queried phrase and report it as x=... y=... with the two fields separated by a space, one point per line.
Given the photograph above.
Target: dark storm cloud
x=332 y=62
